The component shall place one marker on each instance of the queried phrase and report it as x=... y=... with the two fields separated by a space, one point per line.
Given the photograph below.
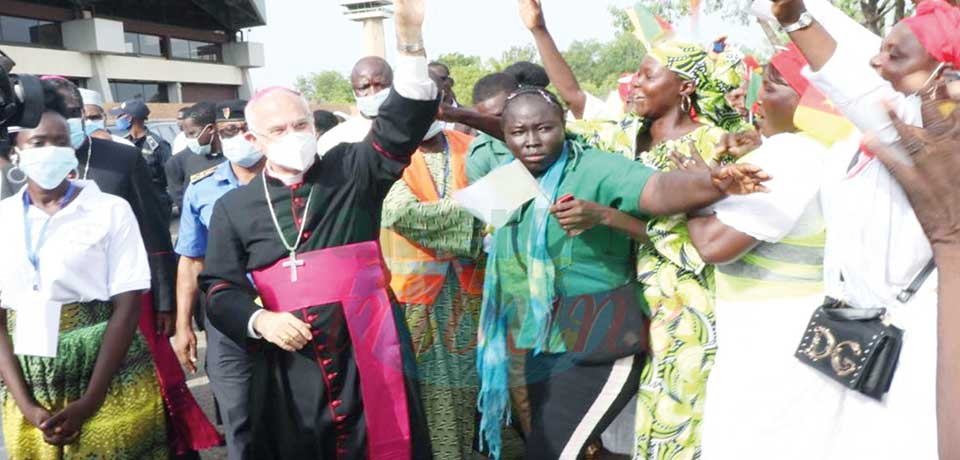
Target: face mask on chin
x=47 y=166
x=240 y=151
x=369 y=106
x=296 y=151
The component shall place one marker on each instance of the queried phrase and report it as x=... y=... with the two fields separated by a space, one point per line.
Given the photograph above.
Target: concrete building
x=371 y=13
x=175 y=51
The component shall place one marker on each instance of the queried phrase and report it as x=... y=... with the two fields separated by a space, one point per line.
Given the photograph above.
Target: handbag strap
x=917 y=283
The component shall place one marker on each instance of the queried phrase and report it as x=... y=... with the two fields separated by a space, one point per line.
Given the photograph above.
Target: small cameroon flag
x=648 y=27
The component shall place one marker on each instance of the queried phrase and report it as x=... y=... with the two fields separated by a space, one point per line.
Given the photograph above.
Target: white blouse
x=873 y=237
x=92 y=250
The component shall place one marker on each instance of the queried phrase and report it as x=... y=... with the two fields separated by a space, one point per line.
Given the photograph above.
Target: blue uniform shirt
x=197 y=209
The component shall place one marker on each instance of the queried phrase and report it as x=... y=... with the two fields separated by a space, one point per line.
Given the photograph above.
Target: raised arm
x=557 y=68
x=408 y=112
x=815 y=42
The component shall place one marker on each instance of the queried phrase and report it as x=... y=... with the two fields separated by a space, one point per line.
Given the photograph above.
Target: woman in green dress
x=679 y=100
x=675 y=81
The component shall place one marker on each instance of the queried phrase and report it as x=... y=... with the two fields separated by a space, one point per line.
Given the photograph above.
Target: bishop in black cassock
x=312 y=403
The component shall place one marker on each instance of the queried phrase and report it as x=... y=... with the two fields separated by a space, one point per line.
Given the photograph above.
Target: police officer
x=132 y=115
x=228 y=365
x=202 y=152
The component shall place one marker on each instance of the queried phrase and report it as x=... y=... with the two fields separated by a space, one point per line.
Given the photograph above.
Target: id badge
x=37 y=331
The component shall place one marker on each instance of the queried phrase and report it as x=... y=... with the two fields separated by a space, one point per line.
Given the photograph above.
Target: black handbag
x=856 y=347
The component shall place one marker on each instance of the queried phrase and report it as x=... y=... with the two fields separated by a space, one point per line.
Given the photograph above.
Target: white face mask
x=435 y=129
x=296 y=151
x=369 y=106
x=196 y=147
x=240 y=151
x=47 y=166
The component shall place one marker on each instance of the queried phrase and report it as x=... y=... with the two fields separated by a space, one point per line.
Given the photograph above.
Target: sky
x=304 y=36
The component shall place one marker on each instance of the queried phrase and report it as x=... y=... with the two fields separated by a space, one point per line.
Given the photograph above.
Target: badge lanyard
x=32 y=251
x=442 y=190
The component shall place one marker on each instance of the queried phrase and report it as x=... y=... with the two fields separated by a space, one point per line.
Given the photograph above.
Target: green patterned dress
x=678 y=288
x=444 y=334
x=129 y=425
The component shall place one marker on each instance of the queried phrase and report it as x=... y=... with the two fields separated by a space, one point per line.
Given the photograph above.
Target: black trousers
x=572 y=403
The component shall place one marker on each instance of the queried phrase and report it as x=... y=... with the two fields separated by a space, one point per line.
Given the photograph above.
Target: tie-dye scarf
x=493 y=360
x=713 y=78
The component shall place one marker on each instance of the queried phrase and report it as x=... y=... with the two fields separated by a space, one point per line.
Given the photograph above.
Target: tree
x=877 y=15
x=329 y=87
x=514 y=54
x=465 y=70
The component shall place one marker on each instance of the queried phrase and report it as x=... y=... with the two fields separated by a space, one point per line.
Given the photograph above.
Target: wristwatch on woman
x=805 y=20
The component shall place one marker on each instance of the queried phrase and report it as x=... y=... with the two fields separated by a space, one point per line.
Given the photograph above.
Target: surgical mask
x=369 y=106
x=296 y=151
x=195 y=146
x=435 y=129
x=77 y=134
x=240 y=151
x=47 y=166
x=123 y=124
x=92 y=126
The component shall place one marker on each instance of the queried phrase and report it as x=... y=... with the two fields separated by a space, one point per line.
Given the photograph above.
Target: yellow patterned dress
x=129 y=425
x=678 y=289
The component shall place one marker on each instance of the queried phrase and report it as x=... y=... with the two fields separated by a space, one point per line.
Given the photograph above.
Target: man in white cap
x=95 y=118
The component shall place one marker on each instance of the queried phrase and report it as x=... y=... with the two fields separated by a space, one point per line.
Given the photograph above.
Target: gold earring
x=686 y=104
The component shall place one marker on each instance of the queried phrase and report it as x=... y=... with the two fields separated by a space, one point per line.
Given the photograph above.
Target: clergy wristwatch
x=805 y=20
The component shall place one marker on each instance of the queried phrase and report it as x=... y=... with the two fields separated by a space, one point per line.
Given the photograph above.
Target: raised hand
x=531 y=13
x=408 y=19
x=739 y=179
x=788 y=11
x=408 y=13
x=926 y=162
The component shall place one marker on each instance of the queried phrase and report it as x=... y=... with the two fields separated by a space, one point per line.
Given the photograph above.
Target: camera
x=21 y=100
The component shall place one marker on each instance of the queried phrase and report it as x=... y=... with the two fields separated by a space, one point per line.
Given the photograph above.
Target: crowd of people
x=700 y=275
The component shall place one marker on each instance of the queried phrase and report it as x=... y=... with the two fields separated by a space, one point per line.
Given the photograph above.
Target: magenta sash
x=189 y=428
x=354 y=275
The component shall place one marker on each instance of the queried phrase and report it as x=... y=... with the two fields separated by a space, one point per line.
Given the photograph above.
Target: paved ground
x=200 y=386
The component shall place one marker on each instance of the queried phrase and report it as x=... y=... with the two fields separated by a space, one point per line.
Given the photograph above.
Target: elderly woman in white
x=875 y=247
x=78 y=378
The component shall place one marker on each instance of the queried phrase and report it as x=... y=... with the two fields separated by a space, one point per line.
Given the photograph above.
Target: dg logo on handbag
x=855 y=347
x=824 y=345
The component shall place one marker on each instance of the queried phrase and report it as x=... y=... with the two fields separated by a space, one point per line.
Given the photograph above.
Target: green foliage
x=329 y=87
x=514 y=54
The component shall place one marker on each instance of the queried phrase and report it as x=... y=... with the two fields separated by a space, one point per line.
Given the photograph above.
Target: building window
x=143 y=44
x=148 y=91
x=30 y=31
x=194 y=50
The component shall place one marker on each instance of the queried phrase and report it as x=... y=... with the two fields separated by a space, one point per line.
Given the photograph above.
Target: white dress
x=876 y=243
x=762 y=402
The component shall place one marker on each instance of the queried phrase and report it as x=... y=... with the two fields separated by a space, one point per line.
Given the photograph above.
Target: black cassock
x=120 y=170
x=307 y=404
